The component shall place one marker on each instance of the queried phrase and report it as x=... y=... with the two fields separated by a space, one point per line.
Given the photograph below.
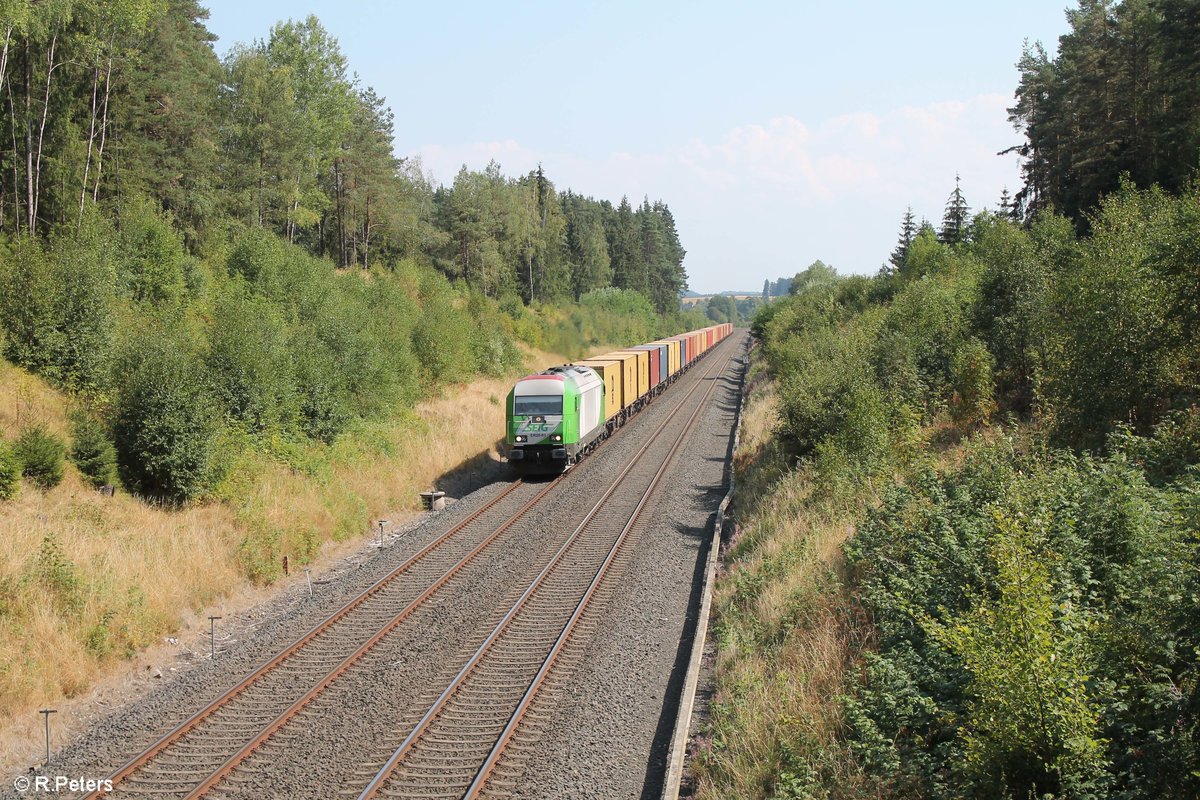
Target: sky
x=778 y=133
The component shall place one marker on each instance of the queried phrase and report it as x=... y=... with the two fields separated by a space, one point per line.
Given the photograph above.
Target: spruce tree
x=1006 y=209
x=954 y=222
x=908 y=230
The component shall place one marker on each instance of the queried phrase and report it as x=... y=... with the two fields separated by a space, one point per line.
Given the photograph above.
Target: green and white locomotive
x=554 y=418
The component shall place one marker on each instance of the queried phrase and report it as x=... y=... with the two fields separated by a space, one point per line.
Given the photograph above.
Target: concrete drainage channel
x=677 y=756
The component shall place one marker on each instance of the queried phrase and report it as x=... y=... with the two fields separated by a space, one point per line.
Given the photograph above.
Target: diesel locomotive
x=558 y=416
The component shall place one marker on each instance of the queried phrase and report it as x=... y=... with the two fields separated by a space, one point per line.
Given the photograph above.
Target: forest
x=194 y=245
x=967 y=555
x=109 y=104
x=229 y=306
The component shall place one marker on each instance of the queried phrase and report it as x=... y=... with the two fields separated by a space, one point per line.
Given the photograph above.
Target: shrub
x=1124 y=350
x=257 y=256
x=971 y=369
x=27 y=309
x=322 y=395
x=56 y=305
x=10 y=471
x=442 y=341
x=163 y=427
x=1033 y=629
x=250 y=363
x=91 y=450
x=42 y=454
x=1030 y=722
x=154 y=257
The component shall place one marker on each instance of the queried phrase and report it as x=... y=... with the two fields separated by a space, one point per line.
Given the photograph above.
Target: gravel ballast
x=611 y=732
x=608 y=738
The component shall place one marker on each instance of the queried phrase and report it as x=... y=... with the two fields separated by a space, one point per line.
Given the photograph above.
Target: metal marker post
x=382 y=522
x=46 y=712
x=308 y=575
x=212 y=637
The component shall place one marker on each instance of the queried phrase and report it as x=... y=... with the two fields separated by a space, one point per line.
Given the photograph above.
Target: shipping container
x=629 y=381
x=658 y=362
x=685 y=353
x=672 y=355
x=643 y=368
x=610 y=373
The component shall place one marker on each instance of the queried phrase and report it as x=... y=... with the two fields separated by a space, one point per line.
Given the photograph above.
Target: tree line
x=1120 y=97
x=171 y=227
x=107 y=102
x=1005 y=421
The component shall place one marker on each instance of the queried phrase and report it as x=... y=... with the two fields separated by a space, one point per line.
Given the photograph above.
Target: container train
x=558 y=416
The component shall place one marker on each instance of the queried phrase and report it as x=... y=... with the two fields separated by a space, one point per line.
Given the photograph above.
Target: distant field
x=688 y=302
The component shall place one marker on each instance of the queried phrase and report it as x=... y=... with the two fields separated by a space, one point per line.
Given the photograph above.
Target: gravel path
x=614 y=732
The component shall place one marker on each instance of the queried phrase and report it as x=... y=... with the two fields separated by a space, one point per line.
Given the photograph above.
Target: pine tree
x=1005 y=209
x=954 y=222
x=908 y=230
x=625 y=248
x=164 y=121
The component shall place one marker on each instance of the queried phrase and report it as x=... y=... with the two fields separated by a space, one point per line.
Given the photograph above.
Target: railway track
x=458 y=746
x=216 y=741
x=208 y=745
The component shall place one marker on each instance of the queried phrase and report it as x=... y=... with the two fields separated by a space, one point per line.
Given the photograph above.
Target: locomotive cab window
x=537 y=405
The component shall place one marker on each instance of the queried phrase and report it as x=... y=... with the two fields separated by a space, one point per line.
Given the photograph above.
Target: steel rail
x=485 y=771
x=384 y=773
x=291 y=711
x=194 y=721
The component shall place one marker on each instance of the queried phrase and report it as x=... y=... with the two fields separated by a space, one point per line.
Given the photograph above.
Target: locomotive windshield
x=537 y=404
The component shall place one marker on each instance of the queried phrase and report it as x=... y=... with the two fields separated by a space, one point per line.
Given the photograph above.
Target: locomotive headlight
x=520 y=438
x=556 y=437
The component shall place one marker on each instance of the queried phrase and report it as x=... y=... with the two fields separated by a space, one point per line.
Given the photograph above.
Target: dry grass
x=26 y=400
x=783 y=642
x=87 y=582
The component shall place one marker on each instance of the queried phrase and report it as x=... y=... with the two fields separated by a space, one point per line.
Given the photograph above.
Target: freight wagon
x=556 y=417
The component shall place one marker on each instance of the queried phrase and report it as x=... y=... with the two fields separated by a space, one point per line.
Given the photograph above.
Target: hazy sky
x=778 y=133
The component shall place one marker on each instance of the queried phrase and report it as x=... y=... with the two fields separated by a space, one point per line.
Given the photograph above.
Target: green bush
x=1013 y=313
x=322 y=394
x=442 y=341
x=153 y=257
x=10 y=471
x=1033 y=631
x=56 y=305
x=257 y=256
x=1125 y=331
x=42 y=455
x=91 y=450
x=164 y=426
x=971 y=380
x=249 y=362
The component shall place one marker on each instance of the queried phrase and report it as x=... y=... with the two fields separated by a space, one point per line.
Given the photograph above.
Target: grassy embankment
x=787 y=640
x=969 y=524
x=87 y=580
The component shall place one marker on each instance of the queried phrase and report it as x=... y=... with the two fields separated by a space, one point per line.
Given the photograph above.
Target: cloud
x=767 y=197
x=900 y=153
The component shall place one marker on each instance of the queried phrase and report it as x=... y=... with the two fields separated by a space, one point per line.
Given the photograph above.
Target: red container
x=656 y=365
